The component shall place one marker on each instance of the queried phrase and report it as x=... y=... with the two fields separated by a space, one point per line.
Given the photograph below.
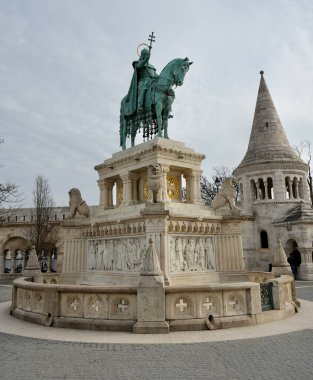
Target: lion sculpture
x=77 y=205
x=225 y=197
x=155 y=184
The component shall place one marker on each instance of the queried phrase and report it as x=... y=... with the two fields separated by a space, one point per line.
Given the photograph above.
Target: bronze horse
x=157 y=104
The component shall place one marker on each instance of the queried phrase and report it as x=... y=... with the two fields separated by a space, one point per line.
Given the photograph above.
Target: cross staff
x=151 y=39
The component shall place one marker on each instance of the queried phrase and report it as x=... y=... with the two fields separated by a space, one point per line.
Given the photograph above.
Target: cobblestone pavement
x=286 y=356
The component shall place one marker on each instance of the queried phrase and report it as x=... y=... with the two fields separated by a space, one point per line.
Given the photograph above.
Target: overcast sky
x=65 y=65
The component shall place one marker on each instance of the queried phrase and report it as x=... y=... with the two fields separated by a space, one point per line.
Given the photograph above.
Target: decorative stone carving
x=151 y=264
x=235 y=303
x=123 y=306
x=96 y=306
x=37 y=302
x=155 y=184
x=225 y=197
x=191 y=254
x=77 y=205
x=124 y=254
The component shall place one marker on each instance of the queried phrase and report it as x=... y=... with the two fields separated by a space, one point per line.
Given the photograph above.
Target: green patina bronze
x=148 y=103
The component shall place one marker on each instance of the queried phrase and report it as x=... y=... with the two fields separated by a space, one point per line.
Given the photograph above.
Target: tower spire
x=268 y=141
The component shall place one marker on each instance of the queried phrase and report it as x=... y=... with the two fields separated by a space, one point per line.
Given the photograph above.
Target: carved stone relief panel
x=192 y=253
x=37 y=302
x=19 y=298
x=210 y=304
x=122 y=306
x=96 y=306
x=27 y=300
x=120 y=254
x=235 y=303
x=180 y=305
x=72 y=305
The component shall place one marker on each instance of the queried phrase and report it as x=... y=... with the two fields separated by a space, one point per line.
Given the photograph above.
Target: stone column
x=306 y=189
x=258 y=196
x=165 y=170
x=195 y=193
x=135 y=178
x=265 y=189
x=104 y=193
x=151 y=296
x=296 y=183
x=279 y=186
x=127 y=189
x=290 y=188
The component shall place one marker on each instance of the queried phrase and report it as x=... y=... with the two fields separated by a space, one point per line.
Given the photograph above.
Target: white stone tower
x=272 y=180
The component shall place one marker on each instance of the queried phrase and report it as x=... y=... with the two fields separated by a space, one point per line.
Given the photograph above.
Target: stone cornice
x=145 y=152
x=270 y=165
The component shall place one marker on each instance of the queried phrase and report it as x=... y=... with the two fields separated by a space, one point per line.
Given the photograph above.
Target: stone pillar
x=296 y=184
x=279 y=186
x=104 y=193
x=290 y=188
x=135 y=178
x=165 y=170
x=265 y=189
x=258 y=195
x=151 y=296
x=195 y=193
x=127 y=189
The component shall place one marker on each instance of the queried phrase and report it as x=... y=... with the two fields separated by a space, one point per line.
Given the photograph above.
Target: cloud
x=65 y=66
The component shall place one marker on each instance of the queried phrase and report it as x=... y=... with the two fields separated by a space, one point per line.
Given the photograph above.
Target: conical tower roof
x=268 y=142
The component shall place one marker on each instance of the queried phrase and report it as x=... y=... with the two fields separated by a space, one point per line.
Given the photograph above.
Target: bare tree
x=9 y=195
x=42 y=231
x=210 y=188
x=304 y=148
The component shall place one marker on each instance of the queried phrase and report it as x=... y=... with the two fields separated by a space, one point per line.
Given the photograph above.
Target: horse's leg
x=133 y=135
x=165 y=127
x=158 y=111
x=165 y=123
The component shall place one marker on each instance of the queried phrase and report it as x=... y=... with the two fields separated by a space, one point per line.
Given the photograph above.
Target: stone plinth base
x=151 y=328
x=151 y=299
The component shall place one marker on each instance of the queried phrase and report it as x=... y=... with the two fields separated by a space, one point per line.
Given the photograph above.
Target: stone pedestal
x=151 y=306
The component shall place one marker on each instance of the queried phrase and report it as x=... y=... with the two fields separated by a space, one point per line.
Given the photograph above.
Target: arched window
x=264 y=239
x=270 y=188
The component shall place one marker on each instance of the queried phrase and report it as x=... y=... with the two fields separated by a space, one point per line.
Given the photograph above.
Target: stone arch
x=14 y=243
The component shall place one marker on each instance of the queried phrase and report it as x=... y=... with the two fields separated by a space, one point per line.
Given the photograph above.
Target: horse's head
x=180 y=70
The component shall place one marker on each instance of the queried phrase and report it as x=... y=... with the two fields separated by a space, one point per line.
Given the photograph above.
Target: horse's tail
x=122 y=126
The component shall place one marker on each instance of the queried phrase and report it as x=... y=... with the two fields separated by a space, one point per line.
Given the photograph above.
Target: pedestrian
x=294 y=259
